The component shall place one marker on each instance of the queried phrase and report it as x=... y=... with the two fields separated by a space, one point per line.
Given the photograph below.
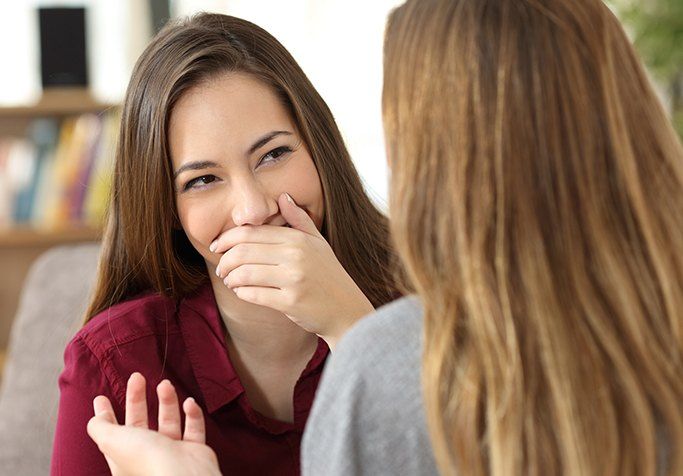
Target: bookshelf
x=26 y=237
x=21 y=244
x=56 y=103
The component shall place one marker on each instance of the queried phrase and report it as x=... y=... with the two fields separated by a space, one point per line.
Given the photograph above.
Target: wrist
x=343 y=325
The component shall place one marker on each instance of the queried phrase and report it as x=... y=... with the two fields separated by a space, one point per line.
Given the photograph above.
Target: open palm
x=134 y=449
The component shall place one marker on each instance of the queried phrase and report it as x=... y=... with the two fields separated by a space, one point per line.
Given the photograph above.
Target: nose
x=253 y=206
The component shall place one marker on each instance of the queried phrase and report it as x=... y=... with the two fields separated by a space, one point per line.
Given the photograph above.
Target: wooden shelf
x=58 y=102
x=31 y=237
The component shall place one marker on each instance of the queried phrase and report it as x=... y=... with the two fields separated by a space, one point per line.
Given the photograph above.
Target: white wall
x=338 y=43
x=117 y=32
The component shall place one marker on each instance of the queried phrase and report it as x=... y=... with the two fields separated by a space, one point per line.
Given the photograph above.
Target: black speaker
x=62 y=47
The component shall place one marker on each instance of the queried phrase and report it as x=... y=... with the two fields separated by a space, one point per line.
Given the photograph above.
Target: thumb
x=296 y=216
x=104 y=420
x=103 y=409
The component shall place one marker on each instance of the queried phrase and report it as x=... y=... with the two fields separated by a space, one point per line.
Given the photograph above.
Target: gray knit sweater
x=368 y=415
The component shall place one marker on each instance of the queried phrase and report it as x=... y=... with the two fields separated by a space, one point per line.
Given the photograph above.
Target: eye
x=199 y=182
x=275 y=155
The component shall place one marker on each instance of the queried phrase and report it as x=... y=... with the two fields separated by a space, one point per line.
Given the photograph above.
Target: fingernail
x=212 y=247
x=289 y=198
x=218 y=272
x=225 y=281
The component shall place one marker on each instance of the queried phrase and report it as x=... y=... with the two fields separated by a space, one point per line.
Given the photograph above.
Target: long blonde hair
x=537 y=205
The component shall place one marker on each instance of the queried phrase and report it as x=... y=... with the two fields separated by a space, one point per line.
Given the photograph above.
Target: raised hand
x=133 y=449
x=293 y=270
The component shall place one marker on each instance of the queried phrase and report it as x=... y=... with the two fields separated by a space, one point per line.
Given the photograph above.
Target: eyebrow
x=207 y=164
x=265 y=139
x=204 y=164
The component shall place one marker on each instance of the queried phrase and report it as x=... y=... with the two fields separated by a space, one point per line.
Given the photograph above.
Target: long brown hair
x=144 y=247
x=537 y=206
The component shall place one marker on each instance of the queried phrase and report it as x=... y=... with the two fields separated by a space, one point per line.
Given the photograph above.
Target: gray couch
x=50 y=311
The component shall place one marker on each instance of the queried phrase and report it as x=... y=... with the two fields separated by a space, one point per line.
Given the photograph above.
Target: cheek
x=304 y=186
x=199 y=223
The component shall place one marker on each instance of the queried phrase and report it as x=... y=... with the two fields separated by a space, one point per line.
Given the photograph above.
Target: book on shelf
x=59 y=175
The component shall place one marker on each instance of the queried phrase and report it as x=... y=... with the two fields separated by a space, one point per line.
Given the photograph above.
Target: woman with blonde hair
x=537 y=206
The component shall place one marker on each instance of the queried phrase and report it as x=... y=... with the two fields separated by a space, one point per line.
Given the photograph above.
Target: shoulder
x=397 y=325
x=368 y=415
x=98 y=356
x=368 y=354
x=146 y=315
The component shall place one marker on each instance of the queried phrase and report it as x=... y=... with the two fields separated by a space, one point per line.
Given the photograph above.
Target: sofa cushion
x=51 y=310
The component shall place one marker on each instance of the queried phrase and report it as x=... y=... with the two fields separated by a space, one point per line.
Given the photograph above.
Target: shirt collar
x=204 y=335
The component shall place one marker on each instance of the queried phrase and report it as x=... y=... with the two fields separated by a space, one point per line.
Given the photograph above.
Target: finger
x=99 y=428
x=248 y=253
x=128 y=450
x=194 y=422
x=296 y=216
x=103 y=409
x=136 y=401
x=169 y=412
x=269 y=297
x=256 y=275
x=265 y=234
x=102 y=428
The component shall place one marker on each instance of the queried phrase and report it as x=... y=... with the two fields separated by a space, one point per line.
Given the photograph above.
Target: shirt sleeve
x=74 y=452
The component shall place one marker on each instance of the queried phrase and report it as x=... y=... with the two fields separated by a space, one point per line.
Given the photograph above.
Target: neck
x=259 y=332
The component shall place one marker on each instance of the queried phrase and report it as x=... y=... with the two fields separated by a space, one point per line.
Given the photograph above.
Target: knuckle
x=248 y=294
x=297 y=276
x=229 y=239
x=300 y=239
x=291 y=299
x=167 y=421
x=139 y=423
x=244 y=233
x=297 y=254
x=240 y=251
x=244 y=274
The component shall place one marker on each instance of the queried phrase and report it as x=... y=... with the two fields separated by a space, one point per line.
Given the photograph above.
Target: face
x=235 y=149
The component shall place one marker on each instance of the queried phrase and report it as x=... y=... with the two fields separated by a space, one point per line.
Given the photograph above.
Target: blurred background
x=66 y=66
x=58 y=126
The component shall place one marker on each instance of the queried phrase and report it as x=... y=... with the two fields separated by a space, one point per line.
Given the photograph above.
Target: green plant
x=656 y=27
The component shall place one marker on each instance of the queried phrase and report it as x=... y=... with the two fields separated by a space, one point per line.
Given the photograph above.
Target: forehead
x=226 y=113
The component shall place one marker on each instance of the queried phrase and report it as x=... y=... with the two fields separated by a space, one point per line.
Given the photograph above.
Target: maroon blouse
x=187 y=346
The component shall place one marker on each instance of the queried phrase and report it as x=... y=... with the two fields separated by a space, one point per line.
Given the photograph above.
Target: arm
x=74 y=453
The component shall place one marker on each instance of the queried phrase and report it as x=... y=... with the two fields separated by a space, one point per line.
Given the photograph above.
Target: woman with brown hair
x=537 y=206
x=238 y=230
